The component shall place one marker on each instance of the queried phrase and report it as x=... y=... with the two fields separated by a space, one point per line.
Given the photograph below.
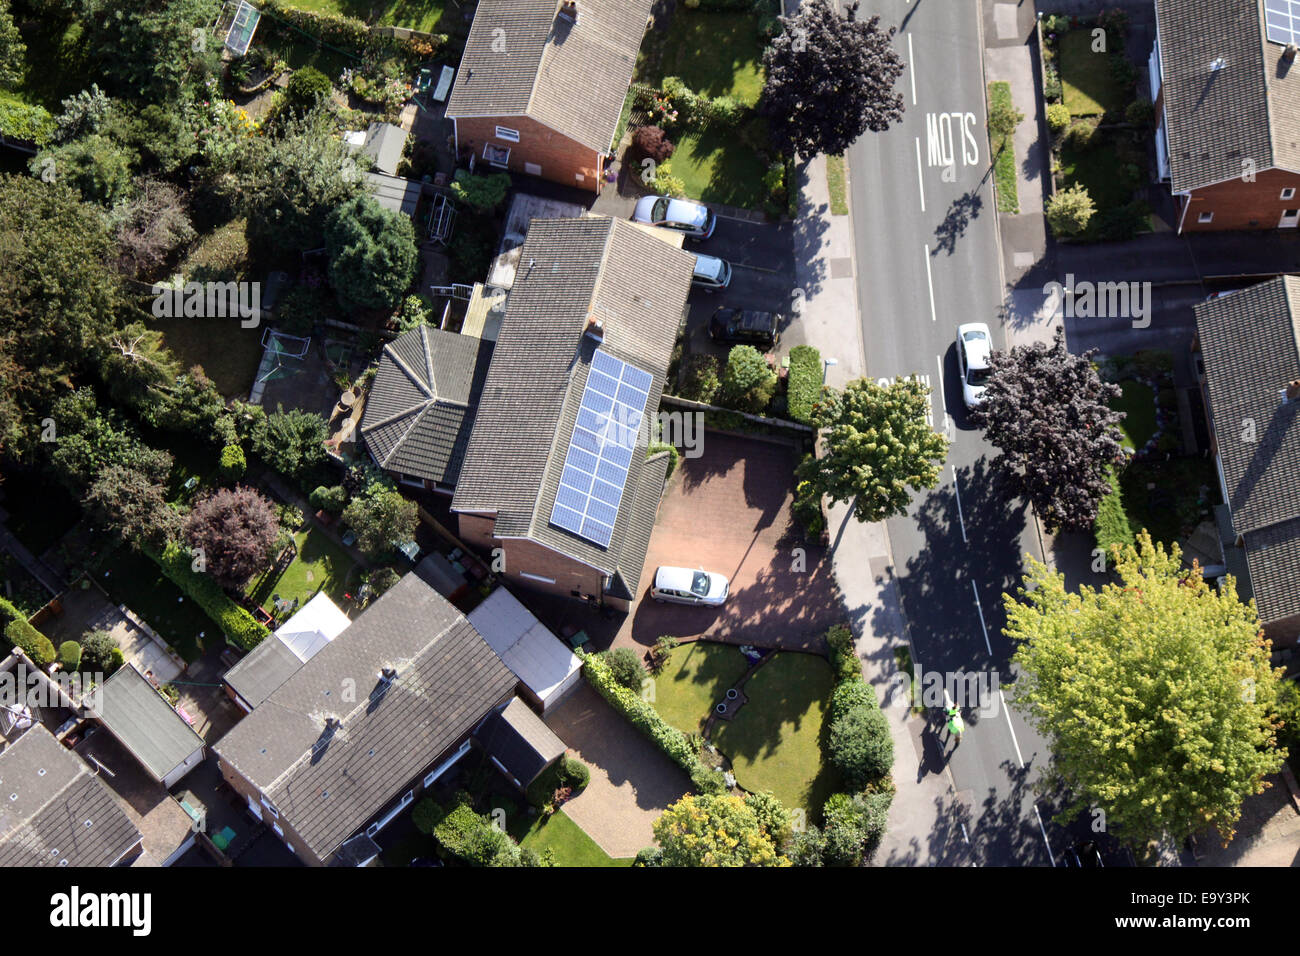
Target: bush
x=674 y=456
x=748 y=382
x=426 y=815
x=844 y=656
x=306 y=87
x=646 y=719
x=1112 y=526
x=30 y=641
x=804 y=383
x=665 y=183
x=807 y=507
x=97 y=649
x=1058 y=116
x=854 y=826
x=861 y=746
x=700 y=380
x=661 y=652
x=292 y=442
x=651 y=855
x=18 y=120
x=473 y=838
x=69 y=656
x=1070 y=210
x=625 y=667
x=653 y=143
x=726 y=111
x=239 y=626
x=382 y=521
x=233 y=463
x=482 y=193
x=1082 y=134
x=1140 y=113
x=1052 y=89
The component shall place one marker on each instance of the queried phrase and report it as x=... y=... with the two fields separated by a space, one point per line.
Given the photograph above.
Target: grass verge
x=1004 y=154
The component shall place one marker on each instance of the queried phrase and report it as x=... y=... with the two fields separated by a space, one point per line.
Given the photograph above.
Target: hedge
x=474 y=839
x=239 y=626
x=646 y=719
x=22 y=121
x=674 y=456
x=33 y=643
x=844 y=656
x=860 y=743
x=331 y=29
x=1112 y=526
x=804 y=384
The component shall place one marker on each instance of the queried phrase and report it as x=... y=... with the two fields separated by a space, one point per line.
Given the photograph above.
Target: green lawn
x=320 y=565
x=717 y=54
x=1164 y=496
x=413 y=14
x=837 y=181
x=715 y=166
x=696 y=677
x=1138 y=403
x=133 y=579
x=228 y=353
x=1086 y=80
x=567 y=841
x=1004 y=162
x=777 y=740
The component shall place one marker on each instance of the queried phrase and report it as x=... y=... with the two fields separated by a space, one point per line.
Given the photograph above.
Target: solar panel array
x=1282 y=20
x=601 y=448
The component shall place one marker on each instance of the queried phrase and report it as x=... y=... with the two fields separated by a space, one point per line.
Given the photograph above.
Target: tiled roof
x=522 y=58
x=55 y=809
x=327 y=785
x=570 y=269
x=1273 y=557
x=262 y=670
x=1227 y=96
x=517 y=737
x=421 y=405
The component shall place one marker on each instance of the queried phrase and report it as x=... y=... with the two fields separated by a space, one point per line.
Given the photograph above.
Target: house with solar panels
x=556 y=474
x=1226 y=87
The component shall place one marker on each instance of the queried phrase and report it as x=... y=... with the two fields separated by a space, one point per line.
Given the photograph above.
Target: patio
x=86 y=607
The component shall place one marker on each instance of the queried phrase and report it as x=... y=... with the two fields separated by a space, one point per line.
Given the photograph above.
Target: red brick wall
x=522 y=556
x=1242 y=205
x=246 y=789
x=562 y=159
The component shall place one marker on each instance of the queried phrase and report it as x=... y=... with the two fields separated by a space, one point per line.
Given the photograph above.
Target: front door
x=1290 y=219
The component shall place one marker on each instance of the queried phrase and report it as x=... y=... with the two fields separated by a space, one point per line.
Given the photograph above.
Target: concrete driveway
x=729 y=511
x=632 y=782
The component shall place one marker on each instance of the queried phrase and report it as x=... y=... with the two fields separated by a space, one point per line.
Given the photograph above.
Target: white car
x=689 y=218
x=711 y=273
x=974 y=345
x=686 y=586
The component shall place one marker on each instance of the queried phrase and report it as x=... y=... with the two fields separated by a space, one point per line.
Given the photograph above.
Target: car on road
x=974 y=346
x=689 y=218
x=696 y=587
x=711 y=273
x=745 y=327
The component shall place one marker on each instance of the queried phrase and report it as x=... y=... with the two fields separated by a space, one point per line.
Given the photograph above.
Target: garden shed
x=545 y=665
x=141 y=720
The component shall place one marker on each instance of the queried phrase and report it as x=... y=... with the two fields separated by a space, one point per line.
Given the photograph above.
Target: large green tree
x=1155 y=693
x=148 y=49
x=382 y=521
x=372 y=254
x=878 y=447
x=720 y=830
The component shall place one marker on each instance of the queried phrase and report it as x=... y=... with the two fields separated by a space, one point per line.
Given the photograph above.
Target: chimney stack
x=1292 y=392
x=1288 y=54
x=595 y=327
x=569 y=10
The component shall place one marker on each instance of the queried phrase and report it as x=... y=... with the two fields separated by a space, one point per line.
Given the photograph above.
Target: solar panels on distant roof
x=601 y=448
x=1282 y=20
x=242 y=28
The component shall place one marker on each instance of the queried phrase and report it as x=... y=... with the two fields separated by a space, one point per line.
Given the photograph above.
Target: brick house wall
x=540 y=151
x=248 y=791
x=562 y=575
x=1237 y=204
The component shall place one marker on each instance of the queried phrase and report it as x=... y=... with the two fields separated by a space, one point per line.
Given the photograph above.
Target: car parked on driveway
x=745 y=327
x=689 y=218
x=686 y=586
x=974 y=346
x=711 y=273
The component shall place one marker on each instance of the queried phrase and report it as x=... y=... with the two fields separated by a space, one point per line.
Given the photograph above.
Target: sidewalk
x=924 y=819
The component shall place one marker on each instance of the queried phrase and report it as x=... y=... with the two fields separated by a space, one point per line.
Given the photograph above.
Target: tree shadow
x=963 y=209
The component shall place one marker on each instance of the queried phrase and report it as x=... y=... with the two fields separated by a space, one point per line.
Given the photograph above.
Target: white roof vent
x=1217 y=64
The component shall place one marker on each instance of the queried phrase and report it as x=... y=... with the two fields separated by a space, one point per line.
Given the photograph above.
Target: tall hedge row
x=239 y=626
x=804 y=384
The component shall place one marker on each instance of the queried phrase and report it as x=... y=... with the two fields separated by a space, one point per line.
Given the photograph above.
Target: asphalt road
x=927 y=261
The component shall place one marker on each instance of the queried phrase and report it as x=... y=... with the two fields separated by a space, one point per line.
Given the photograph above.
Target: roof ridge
x=410 y=372
x=428 y=357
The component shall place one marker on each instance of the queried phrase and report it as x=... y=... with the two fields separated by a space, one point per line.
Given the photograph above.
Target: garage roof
x=538 y=657
x=144 y=723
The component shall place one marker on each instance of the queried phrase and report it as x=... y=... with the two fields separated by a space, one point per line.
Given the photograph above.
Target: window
x=509 y=135
x=1288 y=193
x=496 y=155
x=1205 y=217
x=271 y=808
x=532 y=169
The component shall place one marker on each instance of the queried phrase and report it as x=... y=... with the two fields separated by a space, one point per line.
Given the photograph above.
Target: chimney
x=569 y=10
x=387 y=674
x=595 y=327
x=1289 y=53
x=1292 y=392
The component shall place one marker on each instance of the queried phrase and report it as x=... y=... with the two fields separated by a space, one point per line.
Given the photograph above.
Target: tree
x=292 y=442
x=148 y=49
x=1155 y=693
x=97 y=649
x=381 y=521
x=150 y=227
x=877 y=446
x=13 y=51
x=87 y=440
x=137 y=366
x=97 y=166
x=830 y=78
x=1048 y=413
x=1003 y=120
x=83 y=113
x=372 y=254
x=1070 y=210
x=721 y=830
x=236 y=529
x=135 y=506
x=748 y=382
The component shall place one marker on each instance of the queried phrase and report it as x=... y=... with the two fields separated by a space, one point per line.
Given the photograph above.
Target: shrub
x=97 y=652
x=332 y=499
x=233 y=463
x=69 y=656
x=674 y=456
x=1082 y=134
x=292 y=442
x=661 y=652
x=1112 y=526
x=20 y=121
x=30 y=641
x=1121 y=222
x=382 y=521
x=853 y=827
x=236 y=529
x=748 y=382
x=653 y=143
x=1057 y=23
x=1070 y=210
x=861 y=746
x=700 y=381
x=651 y=855
x=665 y=183
x=625 y=667
x=1052 y=89
x=239 y=626
x=844 y=656
x=1140 y=113
x=474 y=839
x=1058 y=116
x=804 y=383
x=807 y=507
x=726 y=111
x=306 y=87
x=426 y=815
x=483 y=193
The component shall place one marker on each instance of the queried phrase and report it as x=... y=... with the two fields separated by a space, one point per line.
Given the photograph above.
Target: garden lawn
x=565 y=839
x=1103 y=169
x=1138 y=403
x=715 y=166
x=1164 y=496
x=1087 y=83
x=320 y=565
x=696 y=677
x=413 y=14
x=717 y=54
x=837 y=183
x=1004 y=163
x=228 y=353
x=777 y=740
x=133 y=579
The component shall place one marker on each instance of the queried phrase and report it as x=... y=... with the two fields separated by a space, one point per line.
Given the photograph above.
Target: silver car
x=711 y=273
x=685 y=586
x=689 y=218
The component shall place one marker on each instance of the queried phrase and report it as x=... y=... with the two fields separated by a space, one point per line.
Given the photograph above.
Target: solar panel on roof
x=1282 y=20
x=601 y=448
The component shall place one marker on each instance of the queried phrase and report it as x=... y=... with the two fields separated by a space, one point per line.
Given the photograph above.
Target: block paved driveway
x=632 y=782
x=729 y=511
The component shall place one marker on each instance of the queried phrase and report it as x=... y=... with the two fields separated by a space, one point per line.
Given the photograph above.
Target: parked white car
x=686 y=586
x=974 y=345
x=711 y=273
x=689 y=218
